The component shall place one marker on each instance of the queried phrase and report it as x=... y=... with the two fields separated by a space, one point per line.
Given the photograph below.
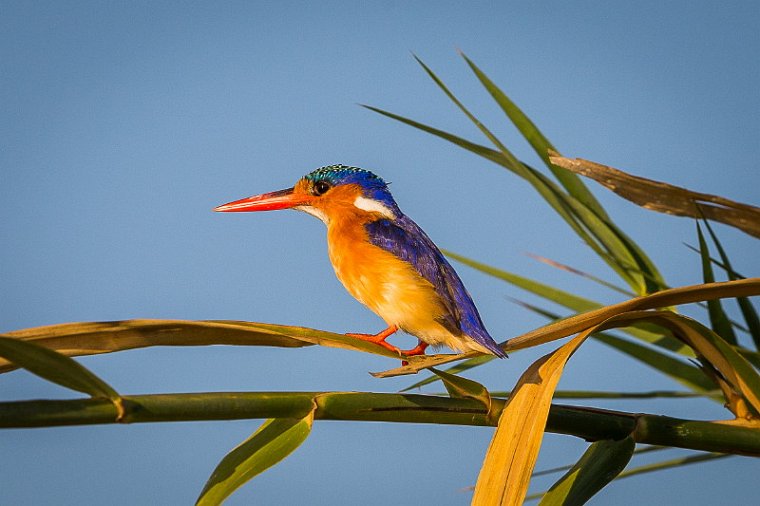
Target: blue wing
x=406 y=240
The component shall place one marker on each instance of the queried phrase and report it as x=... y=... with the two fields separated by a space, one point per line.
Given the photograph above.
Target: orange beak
x=283 y=199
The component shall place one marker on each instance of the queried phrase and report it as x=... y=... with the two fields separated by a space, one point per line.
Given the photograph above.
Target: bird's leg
x=417 y=350
x=379 y=338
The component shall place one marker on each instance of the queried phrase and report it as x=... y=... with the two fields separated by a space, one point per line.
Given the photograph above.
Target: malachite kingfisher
x=384 y=259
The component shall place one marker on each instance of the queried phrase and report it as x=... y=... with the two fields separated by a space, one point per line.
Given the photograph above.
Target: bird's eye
x=320 y=187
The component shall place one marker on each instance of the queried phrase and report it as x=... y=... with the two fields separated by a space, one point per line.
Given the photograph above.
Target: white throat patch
x=373 y=206
x=314 y=212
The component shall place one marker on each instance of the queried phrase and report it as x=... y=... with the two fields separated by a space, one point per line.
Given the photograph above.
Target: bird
x=383 y=259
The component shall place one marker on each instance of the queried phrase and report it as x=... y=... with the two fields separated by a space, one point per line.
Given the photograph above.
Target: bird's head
x=327 y=193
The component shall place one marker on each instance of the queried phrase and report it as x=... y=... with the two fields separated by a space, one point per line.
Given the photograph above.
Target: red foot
x=379 y=338
x=417 y=350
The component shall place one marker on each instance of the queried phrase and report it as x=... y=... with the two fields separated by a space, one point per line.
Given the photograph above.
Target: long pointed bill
x=283 y=199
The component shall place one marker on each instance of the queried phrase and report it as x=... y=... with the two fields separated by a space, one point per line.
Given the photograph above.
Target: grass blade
x=658 y=466
x=561 y=297
x=512 y=454
x=58 y=369
x=732 y=274
x=551 y=193
x=710 y=347
x=54 y=367
x=595 y=394
x=568 y=300
x=478 y=149
x=516 y=165
x=665 y=298
x=746 y=307
x=273 y=441
x=454 y=369
x=554 y=470
x=541 y=145
x=463 y=388
x=678 y=370
x=577 y=272
x=558 y=330
x=743 y=396
x=620 y=252
x=626 y=257
x=669 y=464
x=718 y=319
x=666 y=198
x=91 y=338
x=599 y=465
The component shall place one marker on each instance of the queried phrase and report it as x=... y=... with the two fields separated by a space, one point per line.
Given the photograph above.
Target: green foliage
x=273 y=441
x=645 y=329
x=748 y=311
x=58 y=369
x=718 y=318
x=599 y=465
x=463 y=388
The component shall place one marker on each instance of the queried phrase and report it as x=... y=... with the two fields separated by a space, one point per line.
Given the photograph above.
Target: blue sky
x=123 y=124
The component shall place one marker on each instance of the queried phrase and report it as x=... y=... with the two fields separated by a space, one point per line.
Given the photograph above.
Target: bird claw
x=373 y=338
x=380 y=338
x=417 y=350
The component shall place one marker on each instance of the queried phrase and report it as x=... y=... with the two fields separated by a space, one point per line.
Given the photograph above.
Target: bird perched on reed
x=384 y=259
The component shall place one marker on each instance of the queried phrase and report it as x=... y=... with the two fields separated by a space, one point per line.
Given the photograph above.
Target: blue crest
x=372 y=185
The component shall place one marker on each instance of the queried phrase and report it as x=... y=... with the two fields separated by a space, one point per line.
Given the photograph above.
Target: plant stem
x=588 y=423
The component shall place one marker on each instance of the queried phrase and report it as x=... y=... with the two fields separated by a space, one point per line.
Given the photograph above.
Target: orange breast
x=387 y=285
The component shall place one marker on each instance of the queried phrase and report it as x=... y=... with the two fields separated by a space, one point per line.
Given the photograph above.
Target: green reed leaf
x=273 y=441
x=599 y=465
x=718 y=318
x=541 y=145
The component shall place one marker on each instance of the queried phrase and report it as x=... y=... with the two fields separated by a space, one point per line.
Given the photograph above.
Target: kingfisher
x=384 y=259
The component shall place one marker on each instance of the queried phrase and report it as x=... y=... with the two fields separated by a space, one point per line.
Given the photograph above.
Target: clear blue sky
x=123 y=123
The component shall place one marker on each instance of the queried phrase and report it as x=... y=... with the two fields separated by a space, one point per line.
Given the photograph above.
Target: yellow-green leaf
x=599 y=465
x=464 y=388
x=91 y=338
x=748 y=311
x=58 y=369
x=273 y=441
x=455 y=369
x=568 y=300
x=734 y=368
x=558 y=330
x=537 y=140
x=565 y=298
x=718 y=318
x=511 y=456
x=649 y=468
x=610 y=243
x=669 y=464
x=505 y=475
x=679 y=370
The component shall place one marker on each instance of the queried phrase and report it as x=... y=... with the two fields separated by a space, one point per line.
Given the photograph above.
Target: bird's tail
x=486 y=344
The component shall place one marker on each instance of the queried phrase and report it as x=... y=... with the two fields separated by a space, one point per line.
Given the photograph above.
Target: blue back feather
x=406 y=240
